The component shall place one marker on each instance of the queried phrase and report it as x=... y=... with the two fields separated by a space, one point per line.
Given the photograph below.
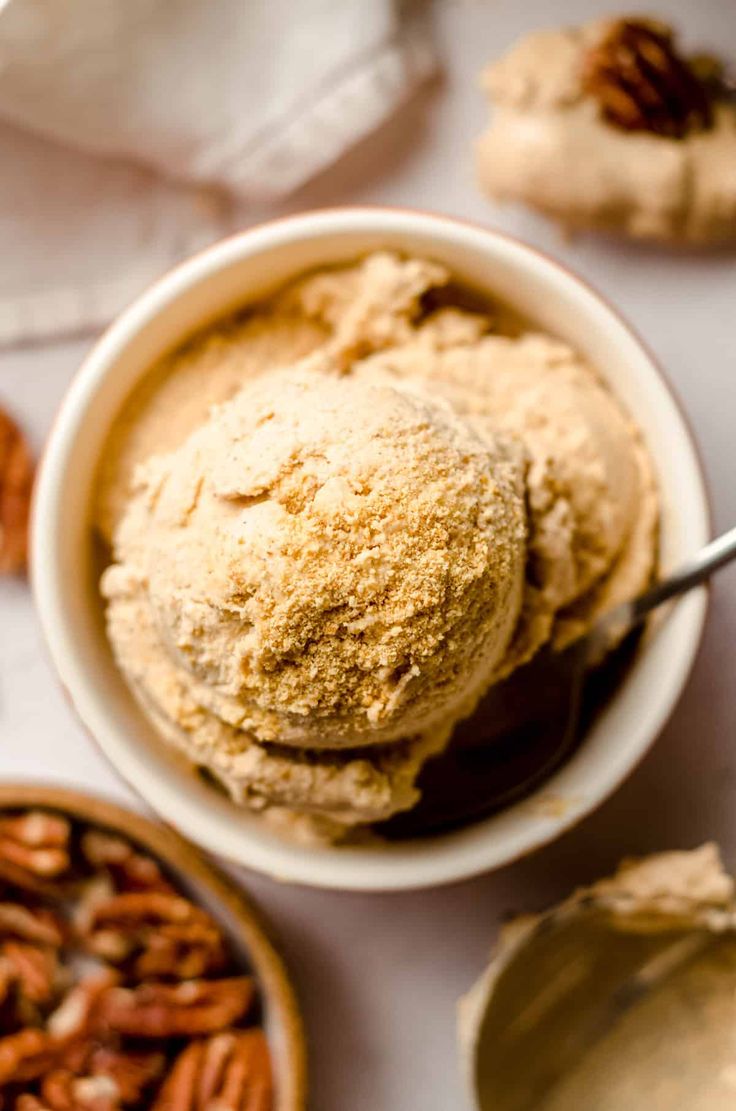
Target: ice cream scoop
x=624 y=996
x=591 y=493
x=391 y=507
x=325 y=562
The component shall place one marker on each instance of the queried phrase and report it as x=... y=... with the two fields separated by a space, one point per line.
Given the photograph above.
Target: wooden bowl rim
x=164 y=843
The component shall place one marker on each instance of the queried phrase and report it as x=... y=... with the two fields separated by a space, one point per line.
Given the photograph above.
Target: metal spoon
x=527 y=726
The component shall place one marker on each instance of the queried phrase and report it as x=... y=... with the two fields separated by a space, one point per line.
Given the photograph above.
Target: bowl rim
x=185 y=859
x=338 y=868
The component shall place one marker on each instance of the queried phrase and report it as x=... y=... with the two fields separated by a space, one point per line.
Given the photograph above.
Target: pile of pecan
x=116 y=991
x=642 y=83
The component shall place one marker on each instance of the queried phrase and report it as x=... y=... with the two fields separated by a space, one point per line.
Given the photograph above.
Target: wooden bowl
x=240 y=920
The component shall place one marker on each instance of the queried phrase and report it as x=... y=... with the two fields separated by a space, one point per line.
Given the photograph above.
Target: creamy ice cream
x=388 y=508
x=589 y=485
x=333 y=562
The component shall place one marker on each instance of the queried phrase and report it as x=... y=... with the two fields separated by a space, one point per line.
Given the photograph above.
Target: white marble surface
x=380 y=975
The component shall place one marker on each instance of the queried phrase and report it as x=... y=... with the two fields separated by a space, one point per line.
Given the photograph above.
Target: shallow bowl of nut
x=132 y=974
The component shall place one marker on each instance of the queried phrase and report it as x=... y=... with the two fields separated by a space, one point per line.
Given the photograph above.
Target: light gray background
x=379 y=976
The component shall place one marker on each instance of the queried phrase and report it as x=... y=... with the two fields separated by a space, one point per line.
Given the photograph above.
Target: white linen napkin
x=134 y=131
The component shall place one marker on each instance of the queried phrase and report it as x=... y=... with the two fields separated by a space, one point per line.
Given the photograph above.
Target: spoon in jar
x=527 y=726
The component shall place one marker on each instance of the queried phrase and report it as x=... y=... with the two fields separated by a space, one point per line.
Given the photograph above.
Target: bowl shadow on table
x=619 y=248
x=325 y=987
x=367 y=963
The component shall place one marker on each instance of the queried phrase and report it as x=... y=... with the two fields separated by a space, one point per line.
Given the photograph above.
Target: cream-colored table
x=380 y=975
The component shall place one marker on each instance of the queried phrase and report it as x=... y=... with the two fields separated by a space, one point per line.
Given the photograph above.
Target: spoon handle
x=714 y=555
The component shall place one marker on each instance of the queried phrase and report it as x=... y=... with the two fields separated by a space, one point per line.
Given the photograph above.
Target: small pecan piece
x=25 y=1055
x=28 y=1102
x=129 y=869
x=76 y=1015
x=57 y=1091
x=16 y=480
x=180 y=953
x=193 y=1007
x=39 y=862
x=40 y=926
x=61 y=1090
x=133 y=1073
x=230 y=1071
x=37 y=829
x=642 y=84
x=34 y=969
x=12 y=875
x=39 y=858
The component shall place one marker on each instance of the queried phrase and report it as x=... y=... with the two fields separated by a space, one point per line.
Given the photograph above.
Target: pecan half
x=230 y=1071
x=35 y=842
x=14 y=876
x=44 y=862
x=31 y=977
x=16 y=480
x=154 y=935
x=76 y=1015
x=176 y=1010
x=38 y=925
x=642 y=84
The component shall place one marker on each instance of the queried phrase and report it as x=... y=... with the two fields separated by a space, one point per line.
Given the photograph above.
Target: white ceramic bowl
x=208 y=286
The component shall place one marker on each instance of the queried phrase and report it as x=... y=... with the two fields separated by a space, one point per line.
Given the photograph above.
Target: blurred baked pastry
x=609 y=127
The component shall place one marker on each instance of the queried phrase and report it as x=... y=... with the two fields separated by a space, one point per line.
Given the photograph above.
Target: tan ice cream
x=388 y=508
x=592 y=502
x=333 y=562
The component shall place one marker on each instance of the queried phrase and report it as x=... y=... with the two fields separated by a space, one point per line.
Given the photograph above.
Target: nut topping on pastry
x=642 y=84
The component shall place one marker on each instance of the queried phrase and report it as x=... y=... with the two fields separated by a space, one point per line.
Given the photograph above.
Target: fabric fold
x=133 y=132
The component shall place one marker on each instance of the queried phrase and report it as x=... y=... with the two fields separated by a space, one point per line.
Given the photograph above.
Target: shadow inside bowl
x=500 y=755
